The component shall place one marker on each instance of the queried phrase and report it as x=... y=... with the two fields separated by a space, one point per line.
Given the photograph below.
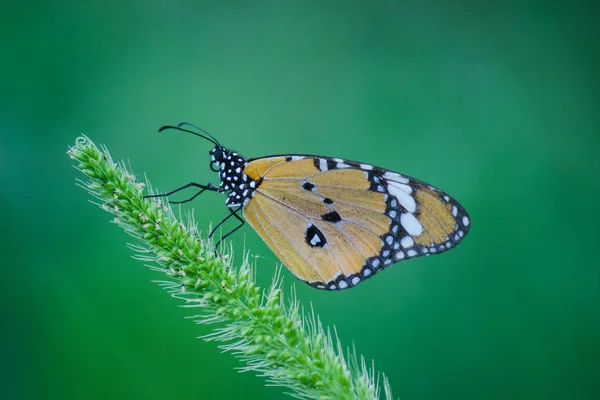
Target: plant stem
x=277 y=340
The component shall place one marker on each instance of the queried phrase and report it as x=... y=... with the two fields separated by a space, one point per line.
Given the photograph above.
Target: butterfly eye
x=214 y=166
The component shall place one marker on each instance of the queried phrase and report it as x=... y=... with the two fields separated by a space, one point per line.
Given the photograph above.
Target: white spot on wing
x=411 y=224
x=393 y=176
x=296 y=158
x=405 y=188
x=407 y=241
x=343 y=165
x=454 y=211
x=465 y=221
x=323 y=164
x=315 y=240
x=366 y=167
x=355 y=280
x=405 y=199
x=343 y=285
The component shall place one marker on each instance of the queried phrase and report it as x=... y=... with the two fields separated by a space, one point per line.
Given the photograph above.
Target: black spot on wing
x=327 y=200
x=331 y=216
x=314 y=237
x=308 y=186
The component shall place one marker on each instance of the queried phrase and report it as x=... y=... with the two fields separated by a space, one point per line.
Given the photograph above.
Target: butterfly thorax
x=238 y=186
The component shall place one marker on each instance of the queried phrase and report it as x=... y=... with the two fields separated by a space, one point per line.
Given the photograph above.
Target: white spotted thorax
x=233 y=179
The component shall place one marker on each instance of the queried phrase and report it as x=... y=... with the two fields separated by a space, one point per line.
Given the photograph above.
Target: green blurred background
x=498 y=104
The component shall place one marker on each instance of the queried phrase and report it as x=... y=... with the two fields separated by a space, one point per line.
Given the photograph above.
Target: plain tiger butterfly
x=332 y=222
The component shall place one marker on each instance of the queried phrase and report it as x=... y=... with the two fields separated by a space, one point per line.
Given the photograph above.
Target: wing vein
x=291 y=242
x=439 y=223
x=352 y=243
x=312 y=218
x=419 y=185
x=259 y=218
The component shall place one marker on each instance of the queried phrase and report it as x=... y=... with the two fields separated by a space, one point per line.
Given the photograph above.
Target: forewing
x=335 y=222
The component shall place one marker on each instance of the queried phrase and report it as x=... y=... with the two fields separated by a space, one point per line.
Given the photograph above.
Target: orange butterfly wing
x=335 y=223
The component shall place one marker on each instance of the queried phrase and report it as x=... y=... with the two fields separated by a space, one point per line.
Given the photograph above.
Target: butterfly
x=332 y=222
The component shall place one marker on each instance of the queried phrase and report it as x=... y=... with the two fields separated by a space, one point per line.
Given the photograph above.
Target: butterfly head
x=230 y=166
x=218 y=155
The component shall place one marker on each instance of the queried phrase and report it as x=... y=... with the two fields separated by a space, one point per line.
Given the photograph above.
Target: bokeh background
x=498 y=104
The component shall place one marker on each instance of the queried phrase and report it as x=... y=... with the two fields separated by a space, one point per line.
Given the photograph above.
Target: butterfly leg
x=203 y=188
x=233 y=214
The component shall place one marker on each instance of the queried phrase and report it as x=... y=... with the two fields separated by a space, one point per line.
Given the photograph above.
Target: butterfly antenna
x=197 y=127
x=209 y=137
